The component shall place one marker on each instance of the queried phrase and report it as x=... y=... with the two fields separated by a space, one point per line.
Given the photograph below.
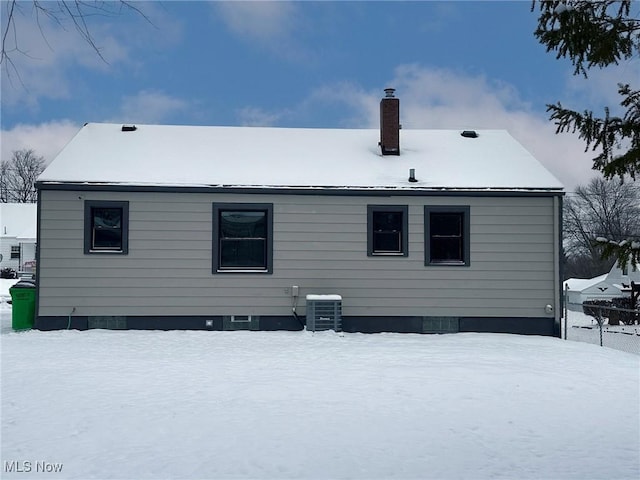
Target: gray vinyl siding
x=320 y=245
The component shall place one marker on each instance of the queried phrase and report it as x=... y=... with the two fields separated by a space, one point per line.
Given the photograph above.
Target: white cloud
x=257 y=117
x=261 y=20
x=46 y=139
x=600 y=89
x=269 y=25
x=360 y=106
x=149 y=107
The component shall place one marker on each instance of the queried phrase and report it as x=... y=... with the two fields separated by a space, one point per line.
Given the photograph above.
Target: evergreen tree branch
x=610 y=134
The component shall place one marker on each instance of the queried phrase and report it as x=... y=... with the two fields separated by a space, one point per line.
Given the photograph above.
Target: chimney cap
x=389 y=92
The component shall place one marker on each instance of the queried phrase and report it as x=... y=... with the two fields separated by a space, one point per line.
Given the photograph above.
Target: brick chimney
x=390 y=123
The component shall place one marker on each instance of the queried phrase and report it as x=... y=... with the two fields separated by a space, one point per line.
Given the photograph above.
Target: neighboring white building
x=18 y=236
x=616 y=283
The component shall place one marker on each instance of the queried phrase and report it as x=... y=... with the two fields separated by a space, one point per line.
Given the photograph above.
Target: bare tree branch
x=602 y=208
x=77 y=12
x=18 y=177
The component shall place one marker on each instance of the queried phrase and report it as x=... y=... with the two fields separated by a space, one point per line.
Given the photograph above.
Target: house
x=18 y=236
x=616 y=283
x=196 y=227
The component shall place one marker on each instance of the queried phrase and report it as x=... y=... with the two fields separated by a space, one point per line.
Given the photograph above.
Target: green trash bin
x=23 y=304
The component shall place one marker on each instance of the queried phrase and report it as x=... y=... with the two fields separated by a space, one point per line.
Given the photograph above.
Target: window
x=106 y=227
x=242 y=237
x=15 y=251
x=446 y=235
x=387 y=228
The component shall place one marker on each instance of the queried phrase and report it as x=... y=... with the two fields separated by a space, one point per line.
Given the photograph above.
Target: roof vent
x=470 y=134
x=129 y=128
x=390 y=123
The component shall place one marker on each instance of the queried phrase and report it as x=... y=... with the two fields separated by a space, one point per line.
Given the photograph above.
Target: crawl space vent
x=107 y=322
x=324 y=312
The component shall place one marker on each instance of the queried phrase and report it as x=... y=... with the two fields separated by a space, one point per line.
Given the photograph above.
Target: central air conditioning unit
x=324 y=312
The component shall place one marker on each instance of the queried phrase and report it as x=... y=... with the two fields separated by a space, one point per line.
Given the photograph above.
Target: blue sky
x=300 y=64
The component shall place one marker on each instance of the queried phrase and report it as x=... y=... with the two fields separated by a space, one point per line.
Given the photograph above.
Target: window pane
x=243 y=253
x=446 y=237
x=446 y=224
x=107 y=228
x=386 y=242
x=243 y=224
x=387 y=232
x=107 y=217
x=446 y=249
x=111 y=239
x=387 y=221
x=243 y=239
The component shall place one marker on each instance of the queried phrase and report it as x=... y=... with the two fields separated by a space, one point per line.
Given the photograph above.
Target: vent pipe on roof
x=129 y=128
x=390 y=123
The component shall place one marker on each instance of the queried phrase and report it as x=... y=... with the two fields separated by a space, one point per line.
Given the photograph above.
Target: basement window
x=387 y=230
x=106 y=227
x=446 y=234
x=242 y=238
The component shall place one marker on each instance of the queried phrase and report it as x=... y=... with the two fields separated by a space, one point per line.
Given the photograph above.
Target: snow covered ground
x=5 y=285
x=269 y=405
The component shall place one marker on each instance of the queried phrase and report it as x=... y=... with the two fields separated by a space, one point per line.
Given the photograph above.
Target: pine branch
x=590 y=34
x=624 y=251
x=618 y=138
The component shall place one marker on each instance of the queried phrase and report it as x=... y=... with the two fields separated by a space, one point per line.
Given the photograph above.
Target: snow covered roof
x=164 y=155
x=616 y=277
x=580 y=284
x=18 y=220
